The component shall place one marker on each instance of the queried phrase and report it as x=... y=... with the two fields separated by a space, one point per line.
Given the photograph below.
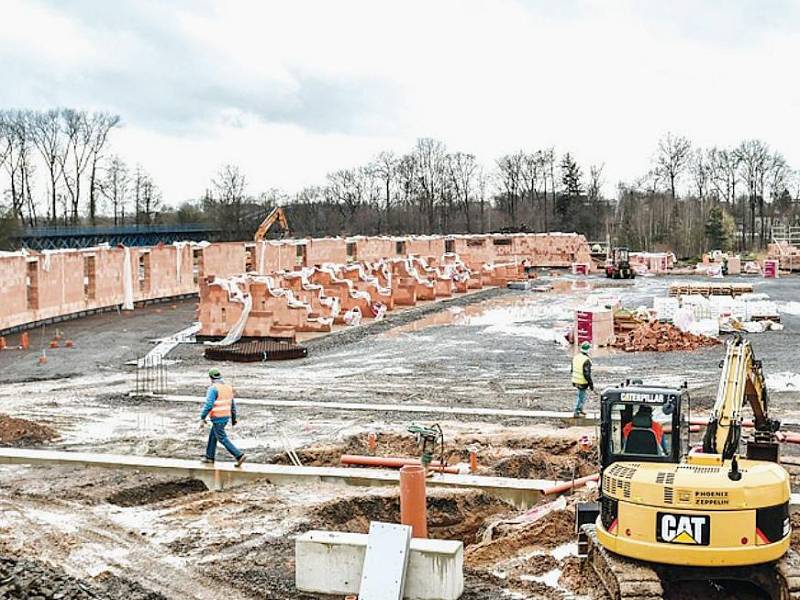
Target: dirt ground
x=111 y=534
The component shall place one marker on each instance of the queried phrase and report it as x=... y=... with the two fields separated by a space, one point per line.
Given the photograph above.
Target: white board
x=384 y=574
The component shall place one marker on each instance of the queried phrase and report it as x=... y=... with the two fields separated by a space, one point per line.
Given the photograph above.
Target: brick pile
x=661 y=337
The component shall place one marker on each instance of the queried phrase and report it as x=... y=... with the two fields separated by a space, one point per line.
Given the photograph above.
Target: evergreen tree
x=571 y=176
x=716 y=232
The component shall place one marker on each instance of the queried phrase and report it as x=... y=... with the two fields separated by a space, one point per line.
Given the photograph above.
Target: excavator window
x=641 y=429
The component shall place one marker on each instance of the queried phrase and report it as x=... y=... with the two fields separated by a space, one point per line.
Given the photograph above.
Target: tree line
x=59 y=170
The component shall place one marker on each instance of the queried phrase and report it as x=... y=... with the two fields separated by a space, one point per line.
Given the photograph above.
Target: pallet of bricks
x=710 y=289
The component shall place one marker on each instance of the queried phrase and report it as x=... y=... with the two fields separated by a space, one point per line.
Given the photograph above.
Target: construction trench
x=76 y=532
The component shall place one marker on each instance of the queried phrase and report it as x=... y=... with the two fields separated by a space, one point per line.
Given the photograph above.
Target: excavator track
x=627 y=579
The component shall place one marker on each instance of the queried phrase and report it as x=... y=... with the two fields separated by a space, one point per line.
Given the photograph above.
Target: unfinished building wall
x=326 y=250
x=42 y=286
x=223 y=260
x=426 y=247
x=14 y=308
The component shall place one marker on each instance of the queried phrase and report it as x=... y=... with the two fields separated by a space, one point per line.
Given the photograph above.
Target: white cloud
x=291 y=90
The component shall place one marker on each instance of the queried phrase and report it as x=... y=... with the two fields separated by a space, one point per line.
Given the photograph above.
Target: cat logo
x=683 y=529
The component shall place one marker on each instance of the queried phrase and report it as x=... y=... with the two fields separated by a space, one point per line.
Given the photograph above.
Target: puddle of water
x=565 y=550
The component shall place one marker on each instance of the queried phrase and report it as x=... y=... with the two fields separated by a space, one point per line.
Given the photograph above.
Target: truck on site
x=671 y=511
x=618 y=264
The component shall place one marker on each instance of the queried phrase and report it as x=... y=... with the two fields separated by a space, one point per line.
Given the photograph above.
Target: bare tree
x=47 y=133
x=385 y=168
x=510 y=180
x=229 y=192
x=462 y=169
x=700 y=171
x=431 y=165
x=98 y=127
x=74 y=160
x=595 y=186
x=672 y=158
x=114 y=186
x=753 y=156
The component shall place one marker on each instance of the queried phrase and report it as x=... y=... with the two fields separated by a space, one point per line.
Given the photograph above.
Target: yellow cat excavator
x=669 y=512
x=276 y=214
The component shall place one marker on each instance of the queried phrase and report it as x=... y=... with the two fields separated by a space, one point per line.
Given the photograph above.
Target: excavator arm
x=742 y=380
x=276 y=214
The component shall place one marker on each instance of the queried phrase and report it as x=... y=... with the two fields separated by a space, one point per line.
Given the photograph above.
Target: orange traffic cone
x=2 y=343
x=24 y=341
x=54 y=343
x=69 y=344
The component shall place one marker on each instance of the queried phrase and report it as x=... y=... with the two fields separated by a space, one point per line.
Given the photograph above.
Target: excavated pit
x=156 y=492
x=451 y=515
x=504 y=456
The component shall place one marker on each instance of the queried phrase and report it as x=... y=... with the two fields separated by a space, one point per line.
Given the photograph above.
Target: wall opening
x=197 y=265
x=449 y=246
x=223 y=315
x=143 y=272
x=89 y=278
x=502 y=241
x=250 y=258
x=399 y=247
x=300 y=255
x=475 y=242
x=352 y=252
x=32 y=285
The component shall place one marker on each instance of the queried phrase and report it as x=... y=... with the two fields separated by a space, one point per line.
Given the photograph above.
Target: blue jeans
x=217 y=434
x=581 y=399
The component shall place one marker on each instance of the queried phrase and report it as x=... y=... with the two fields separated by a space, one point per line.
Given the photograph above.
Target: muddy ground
x=126 y=534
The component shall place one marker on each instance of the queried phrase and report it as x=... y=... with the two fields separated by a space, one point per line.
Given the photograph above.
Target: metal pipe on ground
x=393 y=462
x=413 y=500
x=570 y=485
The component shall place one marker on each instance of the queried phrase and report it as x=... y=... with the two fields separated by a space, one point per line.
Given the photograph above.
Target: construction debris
x=21 y=432
x=661 y=337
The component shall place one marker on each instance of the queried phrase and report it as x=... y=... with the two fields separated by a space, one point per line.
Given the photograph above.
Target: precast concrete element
x=523 y=493
x=328 y=562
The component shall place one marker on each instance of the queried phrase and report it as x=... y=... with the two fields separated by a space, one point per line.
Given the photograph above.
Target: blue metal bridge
x=53 y=238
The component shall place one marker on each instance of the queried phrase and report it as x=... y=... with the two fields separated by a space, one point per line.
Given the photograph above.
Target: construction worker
x=582 y=377
x=221 y=407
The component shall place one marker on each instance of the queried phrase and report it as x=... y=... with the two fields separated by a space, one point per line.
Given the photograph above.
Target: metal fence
x=152 y=376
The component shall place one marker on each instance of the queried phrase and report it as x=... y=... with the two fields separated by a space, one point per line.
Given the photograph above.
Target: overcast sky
x=290 y=90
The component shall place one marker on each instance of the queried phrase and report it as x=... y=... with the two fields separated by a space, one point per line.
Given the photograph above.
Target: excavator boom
x=276 y=214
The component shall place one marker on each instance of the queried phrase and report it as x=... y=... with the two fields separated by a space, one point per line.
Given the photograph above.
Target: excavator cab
x=641 y=422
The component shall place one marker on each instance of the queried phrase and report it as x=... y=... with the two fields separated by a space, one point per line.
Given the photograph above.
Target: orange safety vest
x=224 y=401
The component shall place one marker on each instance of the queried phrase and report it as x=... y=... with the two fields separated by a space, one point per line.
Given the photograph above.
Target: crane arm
x=276 y=214
x=742 y=380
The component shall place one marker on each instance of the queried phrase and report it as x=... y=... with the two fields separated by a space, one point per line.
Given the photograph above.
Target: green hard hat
x=214 y=374
x=585 y=347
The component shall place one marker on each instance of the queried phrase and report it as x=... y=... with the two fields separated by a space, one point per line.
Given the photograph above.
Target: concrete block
x=328 y=562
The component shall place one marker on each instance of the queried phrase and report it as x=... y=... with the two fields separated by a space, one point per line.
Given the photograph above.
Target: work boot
x=207 y=461
x=240 y=460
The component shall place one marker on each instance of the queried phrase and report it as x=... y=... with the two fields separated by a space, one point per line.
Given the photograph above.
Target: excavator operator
x=642 y=434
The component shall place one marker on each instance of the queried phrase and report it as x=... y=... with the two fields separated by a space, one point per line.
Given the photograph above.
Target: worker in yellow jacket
x=221 y=407
x=582 y=376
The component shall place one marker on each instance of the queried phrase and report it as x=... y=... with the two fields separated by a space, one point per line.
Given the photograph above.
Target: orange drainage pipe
x=393 y=462
x=413 y=501
x=570 y=485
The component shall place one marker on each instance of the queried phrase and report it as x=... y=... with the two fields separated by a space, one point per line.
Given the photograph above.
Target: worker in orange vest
x=221 y=407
